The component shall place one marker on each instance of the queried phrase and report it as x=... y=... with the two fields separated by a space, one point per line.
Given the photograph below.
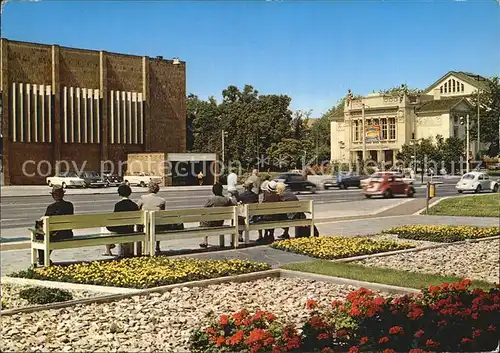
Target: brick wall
x=164 y=88
x=79 y=68
x=167 y=90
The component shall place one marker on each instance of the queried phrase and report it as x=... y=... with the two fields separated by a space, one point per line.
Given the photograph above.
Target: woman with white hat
x=271 y=195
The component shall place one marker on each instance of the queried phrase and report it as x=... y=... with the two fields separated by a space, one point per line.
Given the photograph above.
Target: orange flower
x=354 y=349
x=323 y=336
x=363 y=340
x=219 y=341
x=235 y=339
x=431 y=343
x=311 y=304
x=396 y=330
x=224 y=320
x=383 y=340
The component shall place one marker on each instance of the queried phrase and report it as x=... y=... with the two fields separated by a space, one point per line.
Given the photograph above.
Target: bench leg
x=221 y=240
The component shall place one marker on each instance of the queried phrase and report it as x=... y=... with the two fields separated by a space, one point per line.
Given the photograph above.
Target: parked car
x=477 y=182
x=112 y=179
x=141 y=179
x=296 y=183
x=388 y=185
x=66 y=179
x=93 y=180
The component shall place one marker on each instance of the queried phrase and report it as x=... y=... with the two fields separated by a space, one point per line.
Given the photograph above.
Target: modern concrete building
x=376 y=126
x=84 y=107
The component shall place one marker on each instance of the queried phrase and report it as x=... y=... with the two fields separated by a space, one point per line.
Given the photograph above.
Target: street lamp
x=224 y=135
x=465 y=121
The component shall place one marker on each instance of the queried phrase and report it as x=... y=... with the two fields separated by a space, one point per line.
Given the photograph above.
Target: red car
x=387 y=185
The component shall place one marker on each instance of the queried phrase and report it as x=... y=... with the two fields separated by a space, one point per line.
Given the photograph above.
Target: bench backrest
x=190 y=215
x=270 y=208
x=93 y=220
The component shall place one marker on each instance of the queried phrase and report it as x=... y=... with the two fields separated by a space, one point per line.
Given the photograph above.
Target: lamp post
x=224 y=135
x=465 y=121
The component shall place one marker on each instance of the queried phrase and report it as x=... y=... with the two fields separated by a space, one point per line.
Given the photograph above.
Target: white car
x=141 y=179
x=66 y=180
x=477 y=182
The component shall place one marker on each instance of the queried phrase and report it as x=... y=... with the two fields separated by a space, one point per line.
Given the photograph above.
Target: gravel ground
x=471 y=260
x=159 y=322
x=10 y=294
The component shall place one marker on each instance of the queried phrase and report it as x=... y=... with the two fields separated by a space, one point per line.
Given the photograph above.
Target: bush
x=143 y=272
x=4 y=304
x=449 y=318
x=442 y=233
x=337 y=247
x=44 y=295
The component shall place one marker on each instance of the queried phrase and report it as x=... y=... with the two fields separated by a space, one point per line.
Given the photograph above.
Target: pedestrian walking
x=255 y=179
x=200 y=177
x=232 y=184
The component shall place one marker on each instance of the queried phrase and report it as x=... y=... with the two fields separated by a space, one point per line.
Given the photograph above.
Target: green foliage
x=489 y=113
x=4 y=304
x=442 y=233
x=44 y=295
x=400 y=90
x=435 y=149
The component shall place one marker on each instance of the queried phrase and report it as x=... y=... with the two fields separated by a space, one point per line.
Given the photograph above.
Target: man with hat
x=271 y=195
x=58 y=208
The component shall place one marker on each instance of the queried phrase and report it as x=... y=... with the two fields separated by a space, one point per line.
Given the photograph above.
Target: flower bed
x=443 y=233
x=143 y=272
x=449 y=318
x=338 y=247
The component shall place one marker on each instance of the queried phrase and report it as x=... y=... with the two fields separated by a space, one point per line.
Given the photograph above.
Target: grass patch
x=331 y=248
x=143 y=272
x=378 y=275
x=473 y=206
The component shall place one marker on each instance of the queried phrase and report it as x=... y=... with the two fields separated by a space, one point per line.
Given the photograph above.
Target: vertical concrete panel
x=85 y=115
x=35 y=113
x=145 y=110
x=102 y=117
x=118 y=117
x=55 y=105
x=14 y=112
x=65 y=114
x=27 y=99
x=112 y=115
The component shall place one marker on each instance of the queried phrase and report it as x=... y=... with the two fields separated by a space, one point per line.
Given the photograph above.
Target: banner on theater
x=372 y=133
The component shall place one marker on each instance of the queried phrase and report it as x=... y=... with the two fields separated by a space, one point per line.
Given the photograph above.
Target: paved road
x=20 y=212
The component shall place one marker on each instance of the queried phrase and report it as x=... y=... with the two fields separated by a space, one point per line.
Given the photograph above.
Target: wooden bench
x=85 y=221
x=190 y=215
x=275 y=208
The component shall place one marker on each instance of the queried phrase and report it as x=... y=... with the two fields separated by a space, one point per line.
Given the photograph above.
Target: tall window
x=383 y=129
x=392 y=128
x=454 y=88
x=462 y=86
x=356 y=130
x=446 y=87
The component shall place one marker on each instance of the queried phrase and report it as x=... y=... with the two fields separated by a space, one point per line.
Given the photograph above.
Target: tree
x=400 y=90
x=288 y=153
x=489 y=115
x=203 y=125
x=300 y=122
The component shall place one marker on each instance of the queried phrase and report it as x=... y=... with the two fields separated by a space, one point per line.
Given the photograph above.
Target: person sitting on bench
x=58 y=208
x=153 y=202
x=124 y=205
x=218 y=200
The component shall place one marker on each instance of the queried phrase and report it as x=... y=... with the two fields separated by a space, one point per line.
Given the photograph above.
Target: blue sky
x=311 y=50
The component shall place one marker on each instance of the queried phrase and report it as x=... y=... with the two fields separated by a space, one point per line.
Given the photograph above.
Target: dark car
x=93 y=180
x=296 y=182
x=112 y=179
x=344 y=181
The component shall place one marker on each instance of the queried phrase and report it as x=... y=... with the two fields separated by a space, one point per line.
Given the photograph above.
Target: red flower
x=270 y=317
x=395 y=330
x=316 y=322
x=491 y=328
x=224 y=320
x=383 y=340
x=354 y=349
x=378 y=301
x=431 y=343
x=293 y=343
x=388 y=351
x=219 y=341
x=476 y=333
x=466 y=340
x=211 y=331
x=416 y=350
x=341 y=333
x=235 y=339
x=323 y=336
x=415 y=313
x=363 y=340
x=474 y=316
x=311 y=304
x=258 y=335
x=419 y=334
x=442 y=323
x=355 y=311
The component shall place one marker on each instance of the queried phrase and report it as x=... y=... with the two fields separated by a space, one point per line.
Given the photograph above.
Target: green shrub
x=442 y=233
x=44 y=295
x=4 y=304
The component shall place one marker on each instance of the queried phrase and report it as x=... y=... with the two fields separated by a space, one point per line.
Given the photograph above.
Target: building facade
x=376 y=126
x=85 y=107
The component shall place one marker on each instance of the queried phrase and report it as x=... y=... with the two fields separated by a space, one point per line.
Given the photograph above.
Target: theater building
x=85 y=106
x=376 y=126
